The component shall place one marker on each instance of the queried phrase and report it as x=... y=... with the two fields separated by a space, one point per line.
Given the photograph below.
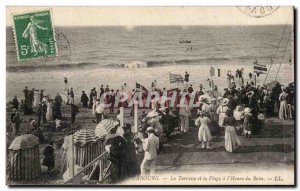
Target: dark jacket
x=84 y=98
x=74 y=109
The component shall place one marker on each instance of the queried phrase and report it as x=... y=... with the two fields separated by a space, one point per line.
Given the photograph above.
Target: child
x=58 y=124
x=231 y=139
x=49 y=157
x=204 y=134
x=248 y=122
x=221 y=111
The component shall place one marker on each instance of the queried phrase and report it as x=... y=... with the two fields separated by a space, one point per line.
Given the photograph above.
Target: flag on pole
x=259 y=68
x=212 y=71
x=176 y=78
x=141 y=88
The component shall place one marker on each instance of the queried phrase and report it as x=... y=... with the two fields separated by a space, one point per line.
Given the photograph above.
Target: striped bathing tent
x=104 y=127
x=86 y=147
x=24 y=158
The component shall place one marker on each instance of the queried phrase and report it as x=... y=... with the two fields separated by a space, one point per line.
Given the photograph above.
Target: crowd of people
x=240 y=110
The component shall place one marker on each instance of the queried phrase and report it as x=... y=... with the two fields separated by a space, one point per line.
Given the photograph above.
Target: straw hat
x=150 y=129
x=250 y=93
x=261 y=116
x=225 y=101
x=152 y=114
x=220 y=98
x=247 y=110
x=163 y=108
x=200 y=112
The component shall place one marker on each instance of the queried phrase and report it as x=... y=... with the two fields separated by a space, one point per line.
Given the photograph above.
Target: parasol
x=26 y=141
x=104 y=127
x=84 y=136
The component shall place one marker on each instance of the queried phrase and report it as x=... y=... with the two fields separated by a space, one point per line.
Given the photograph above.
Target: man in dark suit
x=74 y=111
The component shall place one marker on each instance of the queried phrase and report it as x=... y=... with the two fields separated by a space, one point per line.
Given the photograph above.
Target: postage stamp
x=34 y=35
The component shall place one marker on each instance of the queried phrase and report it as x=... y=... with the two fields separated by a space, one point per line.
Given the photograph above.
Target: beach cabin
x=87 y=147
x=24 y=158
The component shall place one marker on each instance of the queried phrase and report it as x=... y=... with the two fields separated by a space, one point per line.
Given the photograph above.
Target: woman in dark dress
x=49 y=157
x=131 y=157
x=116 y=147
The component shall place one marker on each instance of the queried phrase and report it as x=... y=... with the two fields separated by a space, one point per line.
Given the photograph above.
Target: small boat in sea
x=185 y=41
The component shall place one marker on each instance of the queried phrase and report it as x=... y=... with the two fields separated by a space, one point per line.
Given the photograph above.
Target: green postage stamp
x=34 y=35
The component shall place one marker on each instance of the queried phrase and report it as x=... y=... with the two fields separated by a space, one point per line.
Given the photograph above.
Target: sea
x=91 y=56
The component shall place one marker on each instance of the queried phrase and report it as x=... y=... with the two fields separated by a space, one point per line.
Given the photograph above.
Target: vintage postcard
x=150 y=96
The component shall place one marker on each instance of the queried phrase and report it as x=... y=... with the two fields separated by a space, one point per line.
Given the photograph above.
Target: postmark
x=258 y=11
x=34 y=35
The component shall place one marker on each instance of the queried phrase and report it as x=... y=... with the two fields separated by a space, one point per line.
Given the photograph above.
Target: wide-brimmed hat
x=150 y=129
x=127 y=126
x=173 y=113
x=261 y=116
x=251 y=93
x=225 y=101
x=202 y=98
x=213 y=99
x=152 y=113
x=220 y=98
x=163 y=108
x=247 y=110
x=201 y=112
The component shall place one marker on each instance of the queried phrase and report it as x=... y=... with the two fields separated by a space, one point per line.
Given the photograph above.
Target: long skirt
x=221 y=119
x=204 y=133
x=49 y=114
x=231 y=139
x=285 y=111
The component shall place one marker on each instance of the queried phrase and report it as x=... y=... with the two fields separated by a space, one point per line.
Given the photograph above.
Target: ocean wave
x=48 y=67
x=185 y=61
x=150 y=63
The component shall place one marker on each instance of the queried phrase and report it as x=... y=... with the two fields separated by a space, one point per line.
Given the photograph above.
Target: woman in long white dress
x=49 y=110
x=221 y=111
x=238 y=114
x=204 y=134
x=67 y=96
x=232 y=141
x=285 y=111
x=36 y=98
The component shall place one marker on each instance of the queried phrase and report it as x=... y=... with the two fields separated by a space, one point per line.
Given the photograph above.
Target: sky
x=134 y=16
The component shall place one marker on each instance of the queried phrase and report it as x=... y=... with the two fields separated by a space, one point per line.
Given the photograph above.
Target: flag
x=176 y=78
x=259 y=68
x=140 y=88
x=212 y=71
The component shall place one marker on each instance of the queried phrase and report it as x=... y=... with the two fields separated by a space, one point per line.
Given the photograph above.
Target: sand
x=86 y=79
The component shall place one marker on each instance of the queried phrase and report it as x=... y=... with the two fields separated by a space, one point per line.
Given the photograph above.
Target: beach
x=86 y=79
x=91 y=56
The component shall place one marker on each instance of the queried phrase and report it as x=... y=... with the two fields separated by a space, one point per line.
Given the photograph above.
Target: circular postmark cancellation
x=258 y=11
